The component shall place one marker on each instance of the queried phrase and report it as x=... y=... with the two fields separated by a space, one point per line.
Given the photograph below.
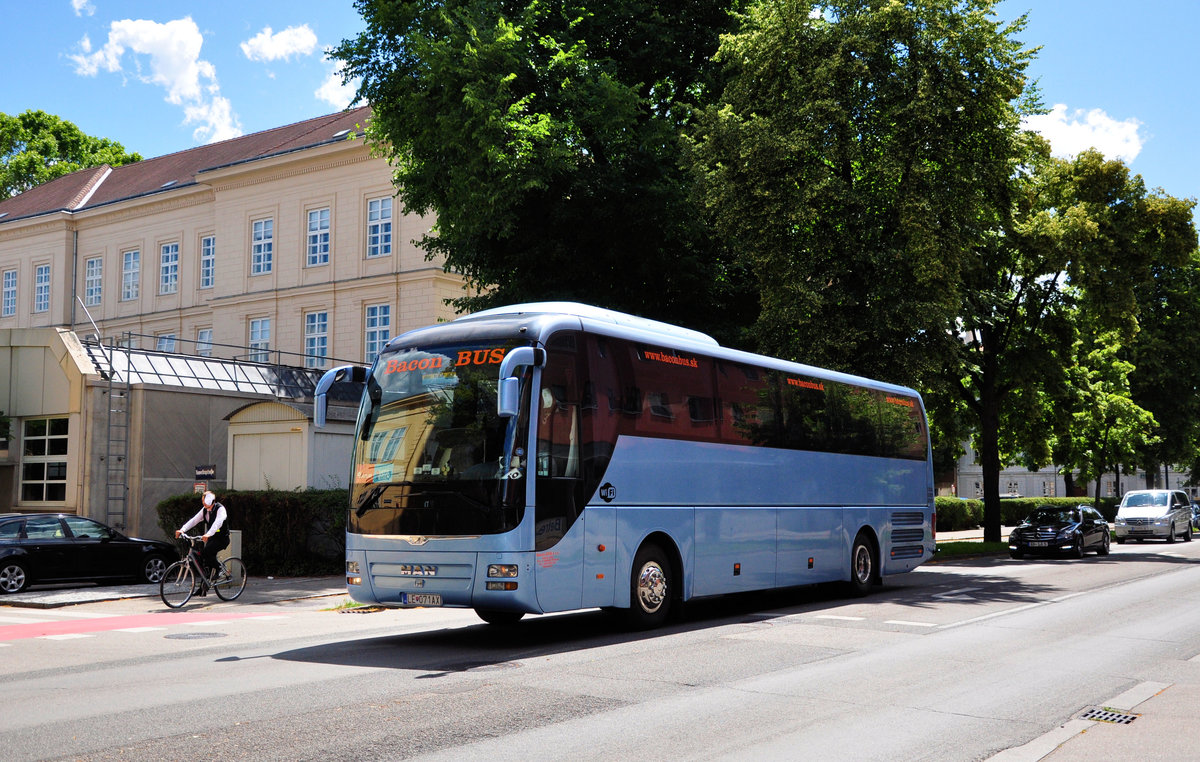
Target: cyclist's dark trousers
x=215 y=545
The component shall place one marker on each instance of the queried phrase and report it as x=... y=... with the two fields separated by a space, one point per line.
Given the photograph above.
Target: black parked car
x=58 y=547
x=1055 y=531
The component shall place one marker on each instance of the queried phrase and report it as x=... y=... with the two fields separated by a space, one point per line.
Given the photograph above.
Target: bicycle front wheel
x=177 y=585
x=232 y=580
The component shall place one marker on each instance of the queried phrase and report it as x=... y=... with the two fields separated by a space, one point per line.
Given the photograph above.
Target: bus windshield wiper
x=370 y=498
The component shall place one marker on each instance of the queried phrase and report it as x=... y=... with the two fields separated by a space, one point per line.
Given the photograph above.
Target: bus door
x=557 y=468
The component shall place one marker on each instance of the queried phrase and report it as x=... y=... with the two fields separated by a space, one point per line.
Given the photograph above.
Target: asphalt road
x=956 y=661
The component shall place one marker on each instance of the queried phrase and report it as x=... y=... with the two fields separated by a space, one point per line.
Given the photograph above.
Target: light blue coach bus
x=556 y=456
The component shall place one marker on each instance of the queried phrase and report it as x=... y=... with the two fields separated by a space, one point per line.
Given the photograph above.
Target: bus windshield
x=433 y=457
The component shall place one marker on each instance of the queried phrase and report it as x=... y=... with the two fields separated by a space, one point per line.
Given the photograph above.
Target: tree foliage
x=545 y=137
x=36 y=147
x=860 y=149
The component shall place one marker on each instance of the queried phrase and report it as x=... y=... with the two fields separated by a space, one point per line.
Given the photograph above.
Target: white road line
x=993 y=615
x=68 y=614
x=18 y=620
x=67 y=636
x=208 y=622
x=268 y=616
x=841 y=618
x=910 y=624
x=138 y=629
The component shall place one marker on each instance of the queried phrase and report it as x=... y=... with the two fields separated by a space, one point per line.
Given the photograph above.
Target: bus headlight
x=352 y=567
x=502 y=570
x=353 y=580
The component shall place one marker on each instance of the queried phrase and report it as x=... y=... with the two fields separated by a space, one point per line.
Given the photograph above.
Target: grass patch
x=349 y=603
x=952 y=549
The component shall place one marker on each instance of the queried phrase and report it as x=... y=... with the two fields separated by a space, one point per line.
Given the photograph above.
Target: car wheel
x=1104 y=545
x=1016 y=554
x=1171 y=534
x=13 y=577
x=1120 y=540
x=1187 y=532
x=153 y=569
x=1078 y=551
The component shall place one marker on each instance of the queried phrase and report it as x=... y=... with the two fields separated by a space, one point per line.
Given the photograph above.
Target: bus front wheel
x=496 y=616
x=863 y=571
x=650 y=588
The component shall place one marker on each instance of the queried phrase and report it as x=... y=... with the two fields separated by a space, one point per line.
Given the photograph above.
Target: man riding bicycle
x=216 y=534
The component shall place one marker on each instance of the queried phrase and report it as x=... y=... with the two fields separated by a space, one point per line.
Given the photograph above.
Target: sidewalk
x=258 y=590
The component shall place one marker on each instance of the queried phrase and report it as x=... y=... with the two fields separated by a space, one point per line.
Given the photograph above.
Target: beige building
x=273 y=256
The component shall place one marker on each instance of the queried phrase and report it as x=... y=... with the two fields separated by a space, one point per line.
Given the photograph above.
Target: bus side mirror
x=353 y=373
x=508 y=394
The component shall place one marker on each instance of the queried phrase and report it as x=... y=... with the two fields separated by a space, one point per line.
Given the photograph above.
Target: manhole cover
x=194 y=635
x=1107 y=715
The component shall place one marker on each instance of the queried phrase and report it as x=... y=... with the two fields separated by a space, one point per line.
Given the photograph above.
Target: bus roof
x=588 y=312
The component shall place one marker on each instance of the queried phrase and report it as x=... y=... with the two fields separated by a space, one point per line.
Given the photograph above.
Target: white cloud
x=1070 y=134
x=293 y=41
x=167 y=55
x=83 y=6
x=333 y=92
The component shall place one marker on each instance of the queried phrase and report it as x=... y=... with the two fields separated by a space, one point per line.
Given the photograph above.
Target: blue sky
x=161 y=76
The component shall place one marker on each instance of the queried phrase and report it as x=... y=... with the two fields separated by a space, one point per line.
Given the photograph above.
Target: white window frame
x=8 y=303
x=41 y=288
x=131 y=266
x=165 y=342
x=208 y=261
x=168 y=270
x=378 y=330
x=49 y=450
x=204 y=342
x=318 y=237
x=316 y=339
x=93 y=281
x=262 y=247
x=379 y=227
x=260 y=339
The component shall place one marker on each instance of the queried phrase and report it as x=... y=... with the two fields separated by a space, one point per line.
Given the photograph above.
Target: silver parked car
x=1154 y=514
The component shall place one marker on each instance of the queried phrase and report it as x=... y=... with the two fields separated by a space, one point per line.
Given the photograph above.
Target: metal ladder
x=116 y=454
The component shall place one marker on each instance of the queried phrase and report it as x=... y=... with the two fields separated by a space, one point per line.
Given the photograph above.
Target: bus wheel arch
x=655 y=583
x=864 y=563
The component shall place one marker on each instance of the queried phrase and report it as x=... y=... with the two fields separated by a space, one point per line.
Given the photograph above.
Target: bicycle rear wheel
x=177 y=585
x=232 y=580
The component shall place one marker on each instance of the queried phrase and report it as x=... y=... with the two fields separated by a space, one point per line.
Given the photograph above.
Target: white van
x=1154 y=514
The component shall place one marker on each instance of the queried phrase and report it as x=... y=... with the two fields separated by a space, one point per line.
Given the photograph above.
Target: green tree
x=860 y=152
x=545 y=137
x=36 y=147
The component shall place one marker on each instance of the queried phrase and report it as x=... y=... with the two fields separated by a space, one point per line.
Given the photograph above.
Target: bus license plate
x=1038 y=544
x=420 y=599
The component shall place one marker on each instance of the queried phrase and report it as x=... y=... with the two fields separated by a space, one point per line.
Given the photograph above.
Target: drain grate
x=1107 y=715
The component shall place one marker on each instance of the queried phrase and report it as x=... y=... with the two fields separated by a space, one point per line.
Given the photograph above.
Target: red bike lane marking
x=84 y=626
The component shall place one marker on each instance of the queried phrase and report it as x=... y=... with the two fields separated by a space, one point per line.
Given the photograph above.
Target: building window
x=93 y=281
x=44 y=460
x=41 y=288
x=379 y=330
x=165 y=342
x=318 y=237
x=316 y=339
x=130 y=273
x=262 y=247
x=379 y=227
x=168 y=273
x=204 y=342
x=208 y=261
x=260 y=339
x=9 y=299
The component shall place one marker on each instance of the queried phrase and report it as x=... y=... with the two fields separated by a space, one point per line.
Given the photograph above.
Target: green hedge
x=956 y=514
x=283 y=533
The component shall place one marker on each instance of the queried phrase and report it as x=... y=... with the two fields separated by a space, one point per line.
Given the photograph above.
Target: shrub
x=283 y=533
x=956 y=514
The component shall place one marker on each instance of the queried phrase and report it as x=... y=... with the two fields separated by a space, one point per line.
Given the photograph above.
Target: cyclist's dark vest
x=223 y=531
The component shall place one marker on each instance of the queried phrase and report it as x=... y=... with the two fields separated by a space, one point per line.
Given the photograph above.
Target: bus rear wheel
x=498 y=616
x=863 y=571
x=650 y=588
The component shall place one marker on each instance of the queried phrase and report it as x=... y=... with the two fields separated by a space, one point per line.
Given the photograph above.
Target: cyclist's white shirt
x=199 y=518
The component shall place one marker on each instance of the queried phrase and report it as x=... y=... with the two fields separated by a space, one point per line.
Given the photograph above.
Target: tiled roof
x=97 y=186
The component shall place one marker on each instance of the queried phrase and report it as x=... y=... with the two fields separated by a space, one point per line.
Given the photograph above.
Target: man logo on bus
x=607 y=492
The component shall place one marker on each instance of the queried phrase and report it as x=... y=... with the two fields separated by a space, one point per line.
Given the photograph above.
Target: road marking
x=957 y=595
x=139 y=629
x=993 y=615
x=910 y=624
x=19 y=620
x=65 y=636
x=841 y=618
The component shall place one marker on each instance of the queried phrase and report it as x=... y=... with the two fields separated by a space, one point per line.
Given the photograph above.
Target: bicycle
x=186 y=576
